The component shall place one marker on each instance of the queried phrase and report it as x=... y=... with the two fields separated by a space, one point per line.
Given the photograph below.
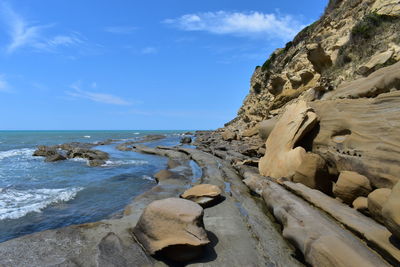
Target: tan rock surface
x=376 y=200
x=281 y=158
x=381 y=81
x=375 y=234
x=162 y=175
x=387 y=7
x=361 y=204
x=361 y=135
x=202 y=194
x=351 y=185
x=391 y=211
x=228 y=135
x=265 y=127
x=171 y=222
x=313 y=173
x=322 y=241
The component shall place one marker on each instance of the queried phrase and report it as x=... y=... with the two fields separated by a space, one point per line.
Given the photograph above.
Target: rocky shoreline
x=307 y=174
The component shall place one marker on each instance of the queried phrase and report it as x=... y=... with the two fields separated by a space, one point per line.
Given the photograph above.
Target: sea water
x=36 y=195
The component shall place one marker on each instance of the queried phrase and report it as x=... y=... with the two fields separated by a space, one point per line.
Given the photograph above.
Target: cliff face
x=352 y=39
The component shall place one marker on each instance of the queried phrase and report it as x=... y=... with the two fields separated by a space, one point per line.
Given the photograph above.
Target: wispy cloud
x=95 y=96
x=23 y=33
x=246 y=24
x=4 y=87
x=149 y=50
x=120 y=29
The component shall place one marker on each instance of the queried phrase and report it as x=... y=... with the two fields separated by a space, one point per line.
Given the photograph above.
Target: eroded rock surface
x=203 y=194
x=173 y=223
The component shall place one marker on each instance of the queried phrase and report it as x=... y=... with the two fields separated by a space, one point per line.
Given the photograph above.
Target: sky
x=128 y=64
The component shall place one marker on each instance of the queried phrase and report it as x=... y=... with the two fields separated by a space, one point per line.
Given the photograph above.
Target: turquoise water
x=37 y=195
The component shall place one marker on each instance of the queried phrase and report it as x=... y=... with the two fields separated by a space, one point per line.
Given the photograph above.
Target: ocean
x=37 y=195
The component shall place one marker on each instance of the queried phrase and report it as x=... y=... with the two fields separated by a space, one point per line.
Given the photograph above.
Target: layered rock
x=391 y=211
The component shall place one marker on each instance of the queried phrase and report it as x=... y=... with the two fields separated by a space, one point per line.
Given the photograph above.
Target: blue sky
x=125 y=64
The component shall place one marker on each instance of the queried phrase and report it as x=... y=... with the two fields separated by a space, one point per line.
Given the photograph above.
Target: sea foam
x=23 y=152
x=18 y=203
x=110 y=163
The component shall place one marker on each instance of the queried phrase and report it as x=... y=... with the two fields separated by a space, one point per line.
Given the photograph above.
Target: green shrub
x=268 y=63
x=366 y=28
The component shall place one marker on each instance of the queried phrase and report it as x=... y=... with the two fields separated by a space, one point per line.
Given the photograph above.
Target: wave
x=18 y=203
x=146 y=177
x=124 y=162
x=86 y=136
x=23 y=152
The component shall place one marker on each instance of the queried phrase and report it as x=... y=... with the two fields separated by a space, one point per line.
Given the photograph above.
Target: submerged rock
x=186 y=140
x=203 y=194
x=173 y=228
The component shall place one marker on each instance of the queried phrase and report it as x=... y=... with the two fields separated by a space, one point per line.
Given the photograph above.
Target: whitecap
x=136 y=133
x=79 y=160
x=110 y=163
x=18 y=203
x=146 y=177
x=23 y=152
x=87 y=136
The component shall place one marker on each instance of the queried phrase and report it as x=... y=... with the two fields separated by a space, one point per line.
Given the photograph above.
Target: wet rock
x=45 y=151
x=90 y=154
x=96 y=162
x=391 y=211
x=163 y=175
x=186 y=140
x=351 y=185
x=203 y=194
x=376 y=200
x=173 y=228
x=55 y=157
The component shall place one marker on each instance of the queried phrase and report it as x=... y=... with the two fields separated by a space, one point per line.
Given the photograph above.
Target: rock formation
x=203 y=194
x=173 y=227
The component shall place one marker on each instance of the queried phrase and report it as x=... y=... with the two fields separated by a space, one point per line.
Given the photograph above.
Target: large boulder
x=250 y=132
x=282 y=158
x=313 y=173
x=172 y=227
x=265 y=127
x=203 y=194
x=376 y=200
x=391 y=211
x=351 y=185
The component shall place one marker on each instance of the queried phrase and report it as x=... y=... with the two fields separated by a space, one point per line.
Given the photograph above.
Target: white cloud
x=96 y=97
x=149 y=50
x=25 y=34
x=249 y=24
x=120 y=29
